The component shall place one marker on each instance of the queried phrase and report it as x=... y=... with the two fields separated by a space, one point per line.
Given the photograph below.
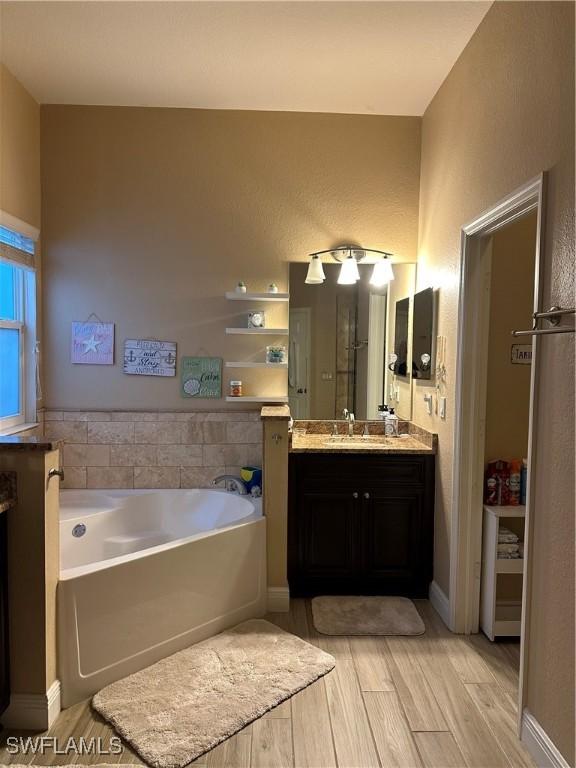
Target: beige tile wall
x=153 y=449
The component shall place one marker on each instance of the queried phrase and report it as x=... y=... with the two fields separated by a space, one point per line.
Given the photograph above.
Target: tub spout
x=233 y=484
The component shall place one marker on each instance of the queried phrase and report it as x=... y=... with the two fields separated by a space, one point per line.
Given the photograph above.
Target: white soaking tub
x=146 y=573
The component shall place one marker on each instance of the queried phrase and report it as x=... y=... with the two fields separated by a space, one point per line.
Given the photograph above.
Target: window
x=17 y=330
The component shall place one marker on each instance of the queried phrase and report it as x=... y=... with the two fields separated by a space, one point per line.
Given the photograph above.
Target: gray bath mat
x=366 y=616
x=184 y=705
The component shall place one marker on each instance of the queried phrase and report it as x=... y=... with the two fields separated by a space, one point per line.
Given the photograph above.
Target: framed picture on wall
x=92 y=343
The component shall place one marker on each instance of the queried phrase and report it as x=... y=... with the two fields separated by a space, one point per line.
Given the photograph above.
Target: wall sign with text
x=145 y=357
x=201 y=376
x=521 y=354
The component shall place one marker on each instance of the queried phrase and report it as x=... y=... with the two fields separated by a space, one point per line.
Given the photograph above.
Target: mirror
x=400 y=364
x=422 y=334
x=342 y=340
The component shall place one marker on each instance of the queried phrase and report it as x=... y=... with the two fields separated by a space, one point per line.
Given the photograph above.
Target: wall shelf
x=250 y=399
x=258 y=331
x=280 y=366
x=234 y=296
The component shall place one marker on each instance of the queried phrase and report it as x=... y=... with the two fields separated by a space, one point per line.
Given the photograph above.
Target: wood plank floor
x=434 y=701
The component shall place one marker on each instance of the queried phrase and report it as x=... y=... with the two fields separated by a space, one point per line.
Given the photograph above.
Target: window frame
x=25 y=311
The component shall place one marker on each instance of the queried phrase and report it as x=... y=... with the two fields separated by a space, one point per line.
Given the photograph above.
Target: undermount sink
x=370 y=441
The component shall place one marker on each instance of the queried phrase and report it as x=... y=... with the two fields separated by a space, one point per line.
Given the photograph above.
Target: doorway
x=299 y=363
x=471 y=395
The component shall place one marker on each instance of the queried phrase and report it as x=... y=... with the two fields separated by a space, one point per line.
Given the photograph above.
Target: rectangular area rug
x=186 y=704
x=350 y=615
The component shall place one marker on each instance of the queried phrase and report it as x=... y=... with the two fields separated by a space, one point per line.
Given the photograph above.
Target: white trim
x=440 y=603
x=465 y=533
x=19 y=428
x=543 y=750
x=17 y=225
x=278 y=600
x=33 y=711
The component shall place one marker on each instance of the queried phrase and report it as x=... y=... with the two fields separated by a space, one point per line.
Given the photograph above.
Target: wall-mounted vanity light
x=349 y=257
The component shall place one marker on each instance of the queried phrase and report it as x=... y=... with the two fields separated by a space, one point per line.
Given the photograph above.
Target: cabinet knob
x=366 y=495
x=355 y=495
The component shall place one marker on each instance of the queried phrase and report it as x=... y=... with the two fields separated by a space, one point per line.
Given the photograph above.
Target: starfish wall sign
x=92 y=343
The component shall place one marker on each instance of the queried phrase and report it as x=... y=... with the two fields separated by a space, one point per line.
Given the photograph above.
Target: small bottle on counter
x=391 y=424
x=236 y=388
x=382 y=412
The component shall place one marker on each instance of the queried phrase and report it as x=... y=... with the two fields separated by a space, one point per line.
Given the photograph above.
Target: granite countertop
x=315 y=437
x=15 y=443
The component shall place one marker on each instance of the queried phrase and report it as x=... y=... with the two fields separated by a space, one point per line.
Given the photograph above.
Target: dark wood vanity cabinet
x=360 y=524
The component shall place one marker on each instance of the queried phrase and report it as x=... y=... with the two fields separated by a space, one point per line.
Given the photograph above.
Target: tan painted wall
x=19 y=150
x=511 y=307
x=149 y=215
x=33 y=539
x=20 y=164
x=401 y=287
x=504 y=114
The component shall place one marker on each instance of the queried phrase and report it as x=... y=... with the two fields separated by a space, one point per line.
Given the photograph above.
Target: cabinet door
x=4 y=669
x=327 y=534
x=391 y=532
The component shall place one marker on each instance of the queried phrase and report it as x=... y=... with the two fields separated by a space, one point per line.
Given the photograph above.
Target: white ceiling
x=357 y=57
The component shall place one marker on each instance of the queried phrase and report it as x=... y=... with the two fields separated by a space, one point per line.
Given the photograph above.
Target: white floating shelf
x=250 y=399
x=509 y=565
x=281 y=366
x=234 y=296
x=259 y=331
x=518 y=511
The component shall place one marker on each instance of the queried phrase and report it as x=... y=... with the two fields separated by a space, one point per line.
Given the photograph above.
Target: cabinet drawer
x=353 y=470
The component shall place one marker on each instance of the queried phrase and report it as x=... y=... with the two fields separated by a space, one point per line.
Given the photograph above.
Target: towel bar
x=553 y=317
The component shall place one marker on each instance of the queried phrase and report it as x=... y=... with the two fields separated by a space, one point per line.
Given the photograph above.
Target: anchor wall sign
x=146 y=357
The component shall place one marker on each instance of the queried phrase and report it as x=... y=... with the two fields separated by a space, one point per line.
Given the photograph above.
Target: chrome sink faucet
x=349 y=416
x=233 y=484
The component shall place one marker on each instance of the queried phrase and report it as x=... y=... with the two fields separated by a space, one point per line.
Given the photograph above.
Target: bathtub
x=144 y=574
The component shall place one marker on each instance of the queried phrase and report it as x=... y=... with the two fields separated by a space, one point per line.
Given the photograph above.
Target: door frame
x=468 y=464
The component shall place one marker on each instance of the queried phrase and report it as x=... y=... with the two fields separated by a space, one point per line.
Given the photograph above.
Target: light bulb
x=349 y=273
x=382 y=273
x=315 y=274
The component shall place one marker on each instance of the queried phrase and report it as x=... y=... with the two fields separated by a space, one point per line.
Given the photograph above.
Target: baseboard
x=441 y=603
x=278 y=599
x=33 y=711
x=539 y=744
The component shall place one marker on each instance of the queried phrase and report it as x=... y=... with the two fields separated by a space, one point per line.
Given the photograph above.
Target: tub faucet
x=233 y=484
x=349 y=416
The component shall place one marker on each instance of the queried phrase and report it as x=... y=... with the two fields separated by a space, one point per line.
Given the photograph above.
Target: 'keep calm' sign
x=150 y=358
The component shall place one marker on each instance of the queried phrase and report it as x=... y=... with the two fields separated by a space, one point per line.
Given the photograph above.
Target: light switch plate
x=442 y=407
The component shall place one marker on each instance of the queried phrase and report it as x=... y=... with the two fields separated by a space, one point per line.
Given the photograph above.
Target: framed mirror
x=423 y=334
x=341 y=338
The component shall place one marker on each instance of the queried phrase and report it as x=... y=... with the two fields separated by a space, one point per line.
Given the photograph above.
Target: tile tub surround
x=153 y=449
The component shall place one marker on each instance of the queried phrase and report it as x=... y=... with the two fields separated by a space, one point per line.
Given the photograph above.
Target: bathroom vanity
x=361 y=512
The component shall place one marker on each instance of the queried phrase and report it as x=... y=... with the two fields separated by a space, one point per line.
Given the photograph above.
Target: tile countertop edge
x=15 y=443
x=275 y=412
x=398 y=451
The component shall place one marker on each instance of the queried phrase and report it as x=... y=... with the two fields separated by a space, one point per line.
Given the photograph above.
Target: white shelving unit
x=498 y=618
x=234 y=296
x=258 y=331
x=257 y=297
